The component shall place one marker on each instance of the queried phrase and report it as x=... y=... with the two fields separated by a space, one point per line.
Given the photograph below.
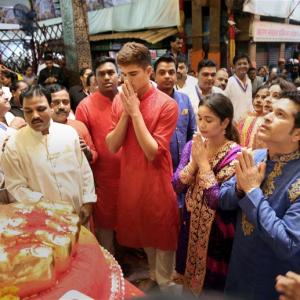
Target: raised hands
x=200 y=153
x=248 y=174
x=288 y=286
x=131 y=102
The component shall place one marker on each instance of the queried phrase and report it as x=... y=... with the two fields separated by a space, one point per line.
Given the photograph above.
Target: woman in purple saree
x=206 y=234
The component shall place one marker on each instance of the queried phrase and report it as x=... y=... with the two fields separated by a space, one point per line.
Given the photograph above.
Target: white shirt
x=195 y=93
x=240 y=96
x=50 y=166
x=190 y=81
x=189 y=88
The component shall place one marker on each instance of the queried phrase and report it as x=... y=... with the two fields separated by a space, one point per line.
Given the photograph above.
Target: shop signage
x=275 y=32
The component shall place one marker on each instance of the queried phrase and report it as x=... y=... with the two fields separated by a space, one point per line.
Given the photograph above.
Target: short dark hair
x=35 y=91
x=103 y=60
x=48 y=56
x=206 y=63
x=251 y=69
x=240 y=56
x=175 y=37
x=182 y=59
x=13 y=77
x=295 y=97
x=16 y=84
x=164 y=58
x=54 y=88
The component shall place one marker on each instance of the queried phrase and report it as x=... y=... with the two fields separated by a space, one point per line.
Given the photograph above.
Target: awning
x=151 y=36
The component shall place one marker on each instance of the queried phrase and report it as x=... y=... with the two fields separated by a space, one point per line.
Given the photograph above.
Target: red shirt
x=95 y=112
x=147 y=207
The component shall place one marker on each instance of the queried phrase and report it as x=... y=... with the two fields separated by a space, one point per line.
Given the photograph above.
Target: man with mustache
x=266 y=192
x=221 y=78
x=43 y=160
x=61 y=107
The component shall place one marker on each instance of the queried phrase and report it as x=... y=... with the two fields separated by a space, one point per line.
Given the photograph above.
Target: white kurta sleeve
x=89 y=194
x=15 y=179
x=227 y=91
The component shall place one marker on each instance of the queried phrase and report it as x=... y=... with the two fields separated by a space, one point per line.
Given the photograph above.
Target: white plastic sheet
x=274 y=8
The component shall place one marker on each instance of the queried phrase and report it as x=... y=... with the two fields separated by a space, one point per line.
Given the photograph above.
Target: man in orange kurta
x=143 y=121
x=95 y=112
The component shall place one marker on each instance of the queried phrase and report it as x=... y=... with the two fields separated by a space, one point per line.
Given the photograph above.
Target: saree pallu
x=248 y=129
x=208 y=226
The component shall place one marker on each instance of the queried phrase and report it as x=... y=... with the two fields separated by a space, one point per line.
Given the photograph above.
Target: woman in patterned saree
x=249 y=125
x=206 y=162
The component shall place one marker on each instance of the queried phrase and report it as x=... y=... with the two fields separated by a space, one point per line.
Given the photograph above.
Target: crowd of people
x=201 y=172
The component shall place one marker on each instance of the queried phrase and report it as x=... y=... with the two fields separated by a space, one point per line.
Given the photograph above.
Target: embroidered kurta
x=211 y=230
x=50 y=166
x=267 y=239
x=95 y=112
x=147 y=208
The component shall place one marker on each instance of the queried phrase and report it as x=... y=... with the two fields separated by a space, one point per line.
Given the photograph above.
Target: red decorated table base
x=93 y=272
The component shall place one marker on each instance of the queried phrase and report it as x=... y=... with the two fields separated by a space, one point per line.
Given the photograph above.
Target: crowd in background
x=145 y=132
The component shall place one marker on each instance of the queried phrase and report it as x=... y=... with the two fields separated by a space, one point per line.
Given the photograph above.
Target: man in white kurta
x=43 y=161
x=240 y=95
x=239 y=88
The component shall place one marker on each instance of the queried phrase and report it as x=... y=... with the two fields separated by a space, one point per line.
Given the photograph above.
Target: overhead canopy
x=276 y=8
x=151 y=36
x=126 y=15
x=135 y=15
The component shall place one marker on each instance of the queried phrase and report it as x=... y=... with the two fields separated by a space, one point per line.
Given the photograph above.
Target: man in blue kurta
x=266 y=190
x=165 y=77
